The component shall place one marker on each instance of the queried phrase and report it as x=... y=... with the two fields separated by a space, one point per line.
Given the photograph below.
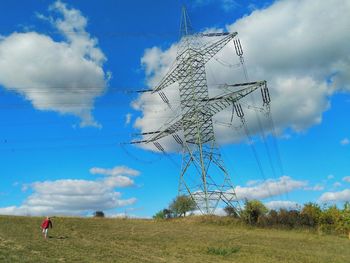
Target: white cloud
x=128 y=118
x=269 y=188
x=336 y=184
x=335 y=196
x=316 y=187
x=75 y=197
x=282 y=204
x=62 y=76
x=346 y=179
x=344 y=141
x=331 y=176
x=258 y=190
x=253 y=182
x=285 y=44
x=226 y=5
x=118 y=170
x=219 y=211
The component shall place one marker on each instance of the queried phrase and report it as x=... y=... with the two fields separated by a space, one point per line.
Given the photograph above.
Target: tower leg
x=204 y=177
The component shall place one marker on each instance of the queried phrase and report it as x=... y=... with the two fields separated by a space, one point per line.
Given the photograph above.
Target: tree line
x=325 y=219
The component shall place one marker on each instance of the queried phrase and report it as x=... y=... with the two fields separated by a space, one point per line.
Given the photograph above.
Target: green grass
x=182 y=240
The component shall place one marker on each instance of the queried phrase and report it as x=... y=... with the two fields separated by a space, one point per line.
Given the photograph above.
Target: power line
x=266 y=99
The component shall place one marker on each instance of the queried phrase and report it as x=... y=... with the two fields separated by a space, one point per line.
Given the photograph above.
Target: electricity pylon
x=203 y=174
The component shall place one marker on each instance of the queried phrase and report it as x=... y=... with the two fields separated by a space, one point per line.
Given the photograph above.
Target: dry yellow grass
x=183 y=240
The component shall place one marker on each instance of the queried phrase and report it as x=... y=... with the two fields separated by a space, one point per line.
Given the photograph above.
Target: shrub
x=330 y=220
x=159 y=215
x=231 y=211
x=99 y=214
x=272 y=218
x=167 y=213
x=289 y=218
x=310 y=214
x=345 y=219
x=253 y=209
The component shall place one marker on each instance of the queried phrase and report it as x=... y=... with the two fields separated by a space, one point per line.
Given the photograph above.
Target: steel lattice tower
x=203 y=174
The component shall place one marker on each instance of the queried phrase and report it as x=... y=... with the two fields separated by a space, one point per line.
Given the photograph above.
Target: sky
x=69 y=69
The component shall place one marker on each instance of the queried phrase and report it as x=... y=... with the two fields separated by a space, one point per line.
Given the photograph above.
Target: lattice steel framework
x=203 y=174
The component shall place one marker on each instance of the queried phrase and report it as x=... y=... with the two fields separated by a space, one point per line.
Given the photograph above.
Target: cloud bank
x=76 y=197
x=301 y=49
x=269 y=188
x=332 y=197
x=226 y=5
x=62 y=76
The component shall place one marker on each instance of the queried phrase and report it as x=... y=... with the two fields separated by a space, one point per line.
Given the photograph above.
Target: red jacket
x=46 y=224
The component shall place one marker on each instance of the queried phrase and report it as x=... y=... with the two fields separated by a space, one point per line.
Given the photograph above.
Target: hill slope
x=183 y=240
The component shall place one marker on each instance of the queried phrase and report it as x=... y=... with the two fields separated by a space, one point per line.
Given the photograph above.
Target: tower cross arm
x=171 y=77
x=219 y=103
x=168 y=129
x=212 y=49
x=213 y=106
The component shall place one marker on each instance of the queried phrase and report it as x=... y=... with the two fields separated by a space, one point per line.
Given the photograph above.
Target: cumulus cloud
x=286 y=44
x=118 y=170
x=330 y=177
x=344 y=141
x=226 y=5
x=346 y=179
x=269 y=188
x=76 y=197
x=336 y=184
x=259 y=190
x=317 y=187
x=128 y=118
x=282 y=204
x=341 y=196
x=62 y=76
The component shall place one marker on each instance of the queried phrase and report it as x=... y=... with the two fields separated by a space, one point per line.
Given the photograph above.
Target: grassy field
x=183 y=240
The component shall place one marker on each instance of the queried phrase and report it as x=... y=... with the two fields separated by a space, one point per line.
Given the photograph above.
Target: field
x=196 y=239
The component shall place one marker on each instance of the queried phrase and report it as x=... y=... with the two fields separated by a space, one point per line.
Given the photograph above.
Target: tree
x=310 y=214
x=346 y=218
x=330 y=219
x=231 y=211
x=99 y=214
x=182 y=204
x=253 y=209
x=289 y=218
x=167 y=213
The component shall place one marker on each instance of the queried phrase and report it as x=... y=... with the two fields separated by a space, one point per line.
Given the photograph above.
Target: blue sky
x=66 y=67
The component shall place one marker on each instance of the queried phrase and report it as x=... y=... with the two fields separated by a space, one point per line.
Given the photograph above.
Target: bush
x=159 y=215
x=345 y=218
x=330 y=220
x=272 y=218
x=310 y=215
x=327 y=219
x=99 y=214
x=163 y=214
x=289 y=218
x=231 y=211
x=252 y=211
x=168 y=213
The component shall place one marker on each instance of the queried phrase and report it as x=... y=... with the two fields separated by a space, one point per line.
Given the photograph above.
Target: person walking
x=45 y=226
